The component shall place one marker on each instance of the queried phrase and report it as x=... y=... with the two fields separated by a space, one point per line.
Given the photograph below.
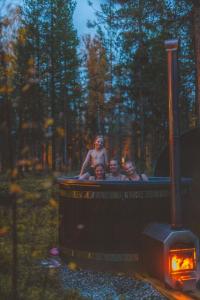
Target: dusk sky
x=82 y=13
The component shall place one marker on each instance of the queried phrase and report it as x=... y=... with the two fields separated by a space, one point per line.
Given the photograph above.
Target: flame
x=182 y=260
x=180 y=263
x=126 y=148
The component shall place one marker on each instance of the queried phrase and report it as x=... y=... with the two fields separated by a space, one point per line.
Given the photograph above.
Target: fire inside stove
x=181 y=260
x=177 y=254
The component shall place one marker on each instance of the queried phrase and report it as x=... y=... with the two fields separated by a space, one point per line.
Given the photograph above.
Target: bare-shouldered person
x=131 y=172
x=99 y=173
x=95 y=156
x=115 y=174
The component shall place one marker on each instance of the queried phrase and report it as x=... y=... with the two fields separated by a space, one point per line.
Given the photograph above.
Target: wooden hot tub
x=104 y=219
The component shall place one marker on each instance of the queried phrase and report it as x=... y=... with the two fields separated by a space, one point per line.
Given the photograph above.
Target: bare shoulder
x=144 y=177
x=124 y=178
x=90 y=151
x=85 y=176
x=108 y=176
x=104 y=150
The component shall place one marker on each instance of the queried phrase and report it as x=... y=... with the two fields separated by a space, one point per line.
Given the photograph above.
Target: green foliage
x=37 y=232
x=44 y=84
x=50 y=112
x=96 y=85
x=134 y=33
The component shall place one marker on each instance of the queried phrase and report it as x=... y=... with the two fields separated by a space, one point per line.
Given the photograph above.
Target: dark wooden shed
x=190 y=167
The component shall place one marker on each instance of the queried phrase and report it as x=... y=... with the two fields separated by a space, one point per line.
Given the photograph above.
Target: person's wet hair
x=99 y=137
x=130 y=162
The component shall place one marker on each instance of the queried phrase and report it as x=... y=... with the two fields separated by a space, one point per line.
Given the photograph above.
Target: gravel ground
x=104 y=286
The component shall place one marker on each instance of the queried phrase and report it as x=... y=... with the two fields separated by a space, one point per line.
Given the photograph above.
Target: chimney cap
x=171 y=45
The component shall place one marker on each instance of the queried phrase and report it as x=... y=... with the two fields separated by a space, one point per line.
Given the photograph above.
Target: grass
x=37 y=232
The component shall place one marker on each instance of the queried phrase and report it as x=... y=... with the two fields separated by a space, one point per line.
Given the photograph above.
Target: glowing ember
x=180 y=263
x=182 y=260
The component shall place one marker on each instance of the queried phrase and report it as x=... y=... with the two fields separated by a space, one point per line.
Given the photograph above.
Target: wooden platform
x=169 y=293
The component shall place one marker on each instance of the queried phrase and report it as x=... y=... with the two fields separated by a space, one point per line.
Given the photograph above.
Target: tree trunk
x=52 y=89
x=6 y=148
x=196 y=18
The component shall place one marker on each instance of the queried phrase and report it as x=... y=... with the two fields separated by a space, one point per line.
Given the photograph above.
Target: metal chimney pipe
x=174 y=133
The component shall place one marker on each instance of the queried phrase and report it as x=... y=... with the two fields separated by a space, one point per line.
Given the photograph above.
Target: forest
x=58 y=91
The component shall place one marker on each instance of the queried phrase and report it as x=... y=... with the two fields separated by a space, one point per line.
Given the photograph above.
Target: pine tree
x=96 y=68
x=7 y=34
x=52 y=44
x=28 y=96
x=140 y=68
x=196 y=38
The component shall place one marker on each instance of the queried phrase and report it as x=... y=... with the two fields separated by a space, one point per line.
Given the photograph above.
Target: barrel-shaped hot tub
x=104 y=219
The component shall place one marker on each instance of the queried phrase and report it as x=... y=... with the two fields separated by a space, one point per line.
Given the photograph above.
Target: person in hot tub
x=95 y=156
x=99 y=173
x=131 y=172
x=115 y=174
